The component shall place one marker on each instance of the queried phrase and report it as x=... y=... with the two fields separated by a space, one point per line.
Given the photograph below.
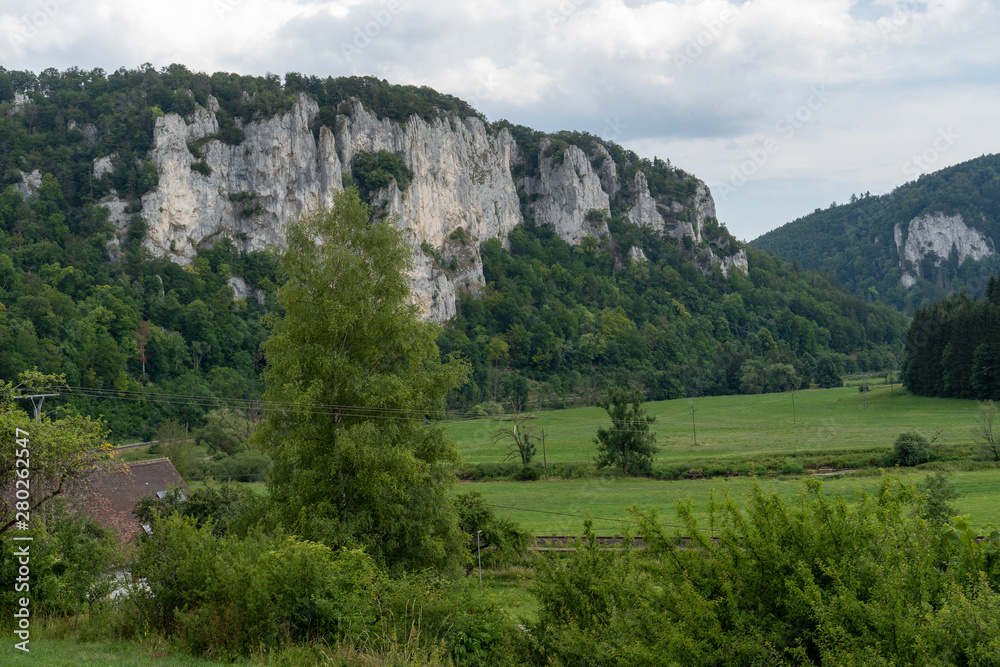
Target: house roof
x=113 y=495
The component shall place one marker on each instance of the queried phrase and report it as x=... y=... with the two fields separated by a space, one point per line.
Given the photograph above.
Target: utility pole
x=793 y=406
x=864 y=387
x=545 y=460
x=694 y=427
x=36 y=402
x=479 y=554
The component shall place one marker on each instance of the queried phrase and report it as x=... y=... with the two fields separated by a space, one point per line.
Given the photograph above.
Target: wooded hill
x=561 y=320
x=858 y=243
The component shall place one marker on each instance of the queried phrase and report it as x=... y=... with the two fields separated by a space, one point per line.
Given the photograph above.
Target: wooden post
x=793 y=406
x=694 y=427
x=545 y=461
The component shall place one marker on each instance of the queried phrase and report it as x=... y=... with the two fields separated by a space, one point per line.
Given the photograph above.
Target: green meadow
x=558 y=507
x=736 y=426
x=731 y=429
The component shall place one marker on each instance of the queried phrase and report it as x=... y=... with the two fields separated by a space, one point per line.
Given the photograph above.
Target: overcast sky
x=781 y=106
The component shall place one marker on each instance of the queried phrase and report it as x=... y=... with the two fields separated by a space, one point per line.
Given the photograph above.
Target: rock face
x=636 y=254
x=938 y=235
x=250 y=191
x=29 y=184
x=462 y=193
x=644 y=212
x=737 y=262
x=461 y=180
x=567 y=190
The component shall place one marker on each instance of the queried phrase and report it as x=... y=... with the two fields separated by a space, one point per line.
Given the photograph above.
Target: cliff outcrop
x=462 y=193
x=938 y=236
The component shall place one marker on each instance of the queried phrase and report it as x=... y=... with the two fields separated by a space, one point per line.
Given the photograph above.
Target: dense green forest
x=554 y=321
x=953 y=347
x=855 y=244
x=564 y=317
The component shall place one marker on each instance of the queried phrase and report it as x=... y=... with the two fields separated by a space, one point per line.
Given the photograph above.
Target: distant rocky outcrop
x=29 y=184
x=280 y=169
x=939 y=236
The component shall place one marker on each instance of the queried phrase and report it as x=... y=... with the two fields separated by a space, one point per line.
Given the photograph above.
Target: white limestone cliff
x=606 y=170
x=938 y=235
x=567 y=190
x=29 y=184
x=280 y=164
x=644 y=211
x=462 y=180
x=735 y=262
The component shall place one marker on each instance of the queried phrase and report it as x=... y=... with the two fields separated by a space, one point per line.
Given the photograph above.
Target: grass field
x=558 y=507
x=47 y=652
x=733 y=428
x=737 y=426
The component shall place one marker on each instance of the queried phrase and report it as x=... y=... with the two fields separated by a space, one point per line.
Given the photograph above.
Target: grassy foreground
x=49 y=652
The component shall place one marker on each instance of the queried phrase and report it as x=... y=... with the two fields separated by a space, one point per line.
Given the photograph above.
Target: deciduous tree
x=358 y=459
x=59 y=453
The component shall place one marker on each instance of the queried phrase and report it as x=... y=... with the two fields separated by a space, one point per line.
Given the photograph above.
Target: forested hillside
x=578 y=319
x=138 y=336
x=883 y=248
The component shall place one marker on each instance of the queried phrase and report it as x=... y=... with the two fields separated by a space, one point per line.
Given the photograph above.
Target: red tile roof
x=112 y=496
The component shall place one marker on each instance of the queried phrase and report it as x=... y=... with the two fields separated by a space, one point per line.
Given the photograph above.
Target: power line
x=368 y=412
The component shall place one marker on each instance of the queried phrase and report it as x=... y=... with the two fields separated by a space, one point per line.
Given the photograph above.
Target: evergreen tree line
x=953 y=347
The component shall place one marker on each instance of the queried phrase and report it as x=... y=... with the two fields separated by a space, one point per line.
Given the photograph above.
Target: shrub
x=937 y=491
x=229 y=596
x=374 y=172
x=246 y=466
x=69 y=556
x=492 y=408
x=911 y=449
x=226 y=430
x=229 y=508
x=472 y=628
x=792 y=467
x=528 y=473
x=201 y=167
x=816 y=580
x=502 y=541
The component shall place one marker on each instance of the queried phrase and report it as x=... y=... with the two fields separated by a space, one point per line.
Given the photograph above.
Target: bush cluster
x=811 y=581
